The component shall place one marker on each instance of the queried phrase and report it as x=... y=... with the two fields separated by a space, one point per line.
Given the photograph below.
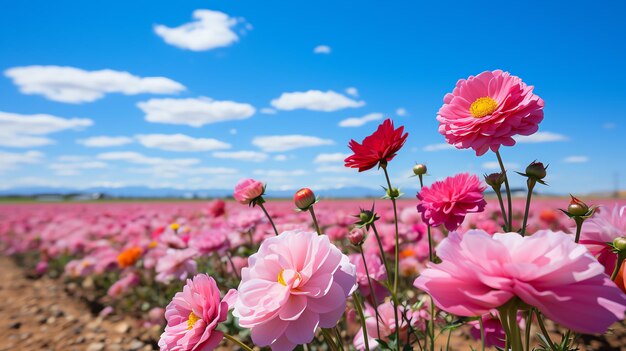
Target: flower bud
x=365 y=216
x=419 y=169
x=393 y=193
x=495 y=180
x=356 y=236
x=536 y=170
x=620 y=244
x=577 y=207
x=304 y=198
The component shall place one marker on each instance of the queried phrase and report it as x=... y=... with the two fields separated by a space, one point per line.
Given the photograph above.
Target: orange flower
x=620 y=280
x=547 y=215
x=129 y=256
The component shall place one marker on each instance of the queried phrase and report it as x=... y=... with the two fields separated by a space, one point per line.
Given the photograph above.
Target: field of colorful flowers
x=398 y=273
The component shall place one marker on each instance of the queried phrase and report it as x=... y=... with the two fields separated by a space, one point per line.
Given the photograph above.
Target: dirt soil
x=40 y=314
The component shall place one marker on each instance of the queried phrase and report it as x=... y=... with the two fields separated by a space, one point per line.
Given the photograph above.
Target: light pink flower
x=209 y=241
x=546 y=270
x=193 y=316
x=377 y=274
x=486 y=111
x=296 y=282
x=123 y=285
x=448 y=201
x=176 y=264
x=606 y=225
x=387 y=324
x=247 y=190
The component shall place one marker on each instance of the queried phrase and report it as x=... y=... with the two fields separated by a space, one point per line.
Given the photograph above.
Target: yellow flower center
x=280 y=279
x=192 y=320
x=483 y=106
x=292 y=278
x=174 y=226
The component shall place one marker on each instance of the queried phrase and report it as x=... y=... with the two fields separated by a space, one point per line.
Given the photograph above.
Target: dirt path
x=39 y=315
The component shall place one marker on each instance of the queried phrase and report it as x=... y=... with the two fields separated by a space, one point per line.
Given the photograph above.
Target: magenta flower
x=486 y=111
x=247 y=190
x=448 y=201
x=605 y=226
x=546 y=270
x=494 y=332
x=193 y=316
x=296 y=282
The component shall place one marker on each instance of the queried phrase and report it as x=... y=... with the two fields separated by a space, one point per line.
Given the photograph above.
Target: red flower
x=378 y=148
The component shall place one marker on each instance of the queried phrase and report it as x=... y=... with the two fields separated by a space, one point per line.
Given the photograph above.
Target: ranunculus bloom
x=193 y=316
x=176 y=264
x=377 y=275
x=547 y=270
x=387 y=324
x=380 y=147
x=129 y=256
x=448 y=201
x=486 y=111
x=606 y=225
x=296 y=282
x=494 y=332
x=247 y=190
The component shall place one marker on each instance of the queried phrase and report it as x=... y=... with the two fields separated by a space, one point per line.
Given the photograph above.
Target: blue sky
x=201 y=95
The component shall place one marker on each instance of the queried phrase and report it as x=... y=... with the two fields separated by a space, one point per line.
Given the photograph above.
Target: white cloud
x=210 y=30
x=18 y=130
x=194 y=112
x=352 y=91
x=315 y=100
x=609 y=125
x=280 y=158
x=105 y=141
x=576 y=159
x=438 y=147
x=330 y=158
x=496 y=166
x=252 y=156
x=169 y=171
x=268 y=111
x=322 y=49
x=332 y=169
x=232 y=131
x=74 y=167
x=359 y=121
x=401 y=111
x=137 y=158
x=279 y=143
x=180 y=142
x=540 y=137
x=74 y=85
x=13 y=160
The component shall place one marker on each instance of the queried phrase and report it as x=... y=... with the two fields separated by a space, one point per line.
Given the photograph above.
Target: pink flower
x=296 y=282
x=448 y=201
x=486 y=111
x=247 y=190
x=605 y=226
x=387 y=324
x=209 y=241
x=546 y=270
x=494 y=333
x=123 y=285
x=193 y=316
x=176 y=264
x=377 y=274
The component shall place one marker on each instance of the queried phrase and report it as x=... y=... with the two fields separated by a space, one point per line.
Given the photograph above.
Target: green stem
x=508 y=191
x=579 y=226
x=339 y=339
x=329 y=340
x=317 y=227
x=448 y=341
x=232 y=265
x=621 y=256
x=531 y=186
x=238 y=342
x=431 y=324
x=268 y=217
x=382 y=255
x=499 y=195
x=372 y=294
x=544 y=330
x=430 y=239
x=482 y=332
x=514 y=327
x=359 y=310
x=396 y=262
x=529 y=322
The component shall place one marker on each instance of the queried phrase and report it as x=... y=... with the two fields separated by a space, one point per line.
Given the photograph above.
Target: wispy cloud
x=438 y=147
x=540 y=137
x=194 y=112
x=210 y=30
x=138 y=158
x=17 y=130
x=330 y=157
x=180 y=142
x=359 y=121
x=12 y=160
x=250 y=156
x=74 y=85
x=322 y=49
x=401 y=111
x=315 y=100
x=576 y=159
x=105 y=141
x=496 y=166
x=280 y=143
